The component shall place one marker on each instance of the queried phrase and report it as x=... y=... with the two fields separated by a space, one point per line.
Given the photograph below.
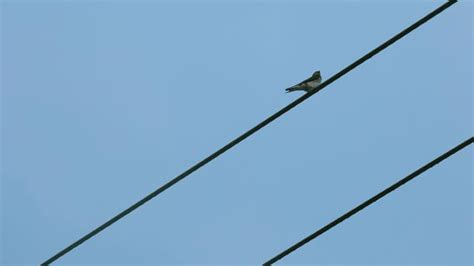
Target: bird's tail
x=294 y=88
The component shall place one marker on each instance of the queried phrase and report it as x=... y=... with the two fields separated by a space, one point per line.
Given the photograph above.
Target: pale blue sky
x=103 y=102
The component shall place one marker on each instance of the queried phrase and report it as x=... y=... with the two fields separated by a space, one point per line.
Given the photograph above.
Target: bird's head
x=317 y=74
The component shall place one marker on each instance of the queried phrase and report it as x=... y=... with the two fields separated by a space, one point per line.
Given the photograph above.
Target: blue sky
x=103 y=102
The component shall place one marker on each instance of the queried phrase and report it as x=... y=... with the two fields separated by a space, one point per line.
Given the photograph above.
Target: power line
x=380 y=195
x=247 y=134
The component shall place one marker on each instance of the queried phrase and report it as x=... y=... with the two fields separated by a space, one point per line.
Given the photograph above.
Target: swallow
x=307 y=85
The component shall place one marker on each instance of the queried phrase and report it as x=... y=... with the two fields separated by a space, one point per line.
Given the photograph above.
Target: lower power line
x=370 y=201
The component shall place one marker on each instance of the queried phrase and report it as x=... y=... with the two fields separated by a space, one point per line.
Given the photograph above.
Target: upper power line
x=247 y=134
x=380 y=195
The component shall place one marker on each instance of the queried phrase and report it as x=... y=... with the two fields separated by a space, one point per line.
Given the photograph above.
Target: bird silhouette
x=308 y=84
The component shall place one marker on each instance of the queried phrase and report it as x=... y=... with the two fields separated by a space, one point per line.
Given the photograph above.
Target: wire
x=370 y=201
x=246 y=134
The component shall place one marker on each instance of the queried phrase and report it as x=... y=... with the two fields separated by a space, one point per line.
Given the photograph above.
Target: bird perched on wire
x=308 y=84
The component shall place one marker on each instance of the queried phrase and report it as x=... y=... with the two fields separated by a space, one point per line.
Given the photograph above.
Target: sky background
x=103 y=102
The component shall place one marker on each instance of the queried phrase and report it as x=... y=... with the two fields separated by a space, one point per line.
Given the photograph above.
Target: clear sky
x=103 y=102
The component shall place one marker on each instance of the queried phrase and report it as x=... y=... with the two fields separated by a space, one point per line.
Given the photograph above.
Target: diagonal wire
x=380 y=195
x=247 y=134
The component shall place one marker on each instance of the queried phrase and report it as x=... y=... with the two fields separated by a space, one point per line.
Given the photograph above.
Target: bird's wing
x=309 y=79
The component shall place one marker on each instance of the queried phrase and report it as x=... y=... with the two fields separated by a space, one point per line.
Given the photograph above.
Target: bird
x=308 y=84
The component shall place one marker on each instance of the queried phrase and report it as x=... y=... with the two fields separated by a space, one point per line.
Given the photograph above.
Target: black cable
x=246 y=134
x=370 y=201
